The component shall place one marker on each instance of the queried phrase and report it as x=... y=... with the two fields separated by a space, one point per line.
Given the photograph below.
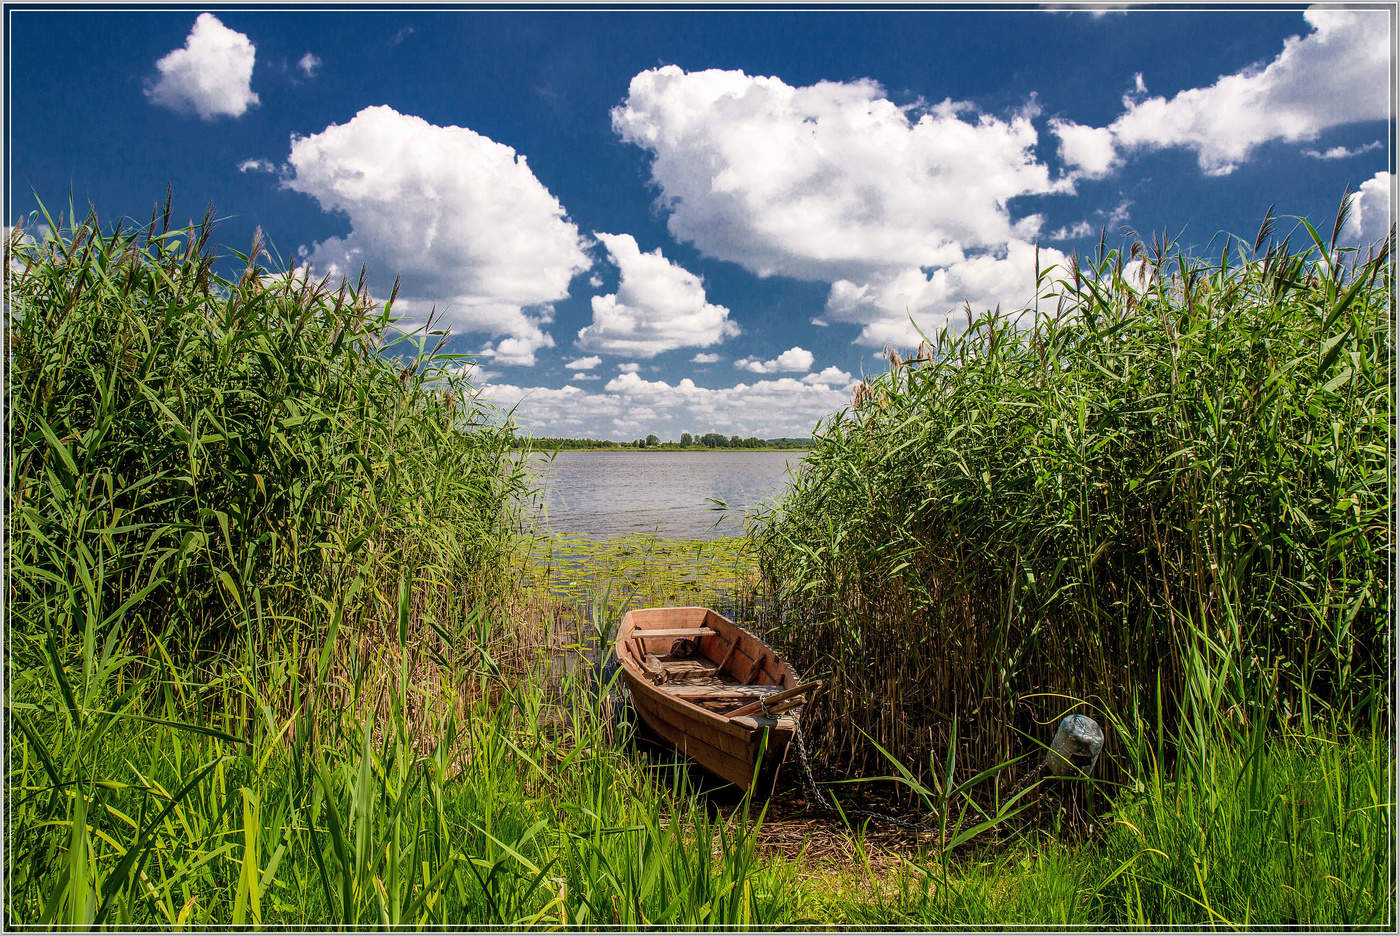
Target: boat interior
x=698 y=656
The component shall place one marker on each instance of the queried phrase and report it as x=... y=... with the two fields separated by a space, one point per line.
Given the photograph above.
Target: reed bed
x=1163 y=495
x=177 y=815
x=212 y=465
x=262 y=546
x=277 y=655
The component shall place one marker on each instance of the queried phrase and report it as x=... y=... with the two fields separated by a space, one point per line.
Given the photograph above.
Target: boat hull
x=739 y=749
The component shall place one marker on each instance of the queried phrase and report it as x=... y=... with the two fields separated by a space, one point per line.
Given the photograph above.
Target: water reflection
x=667 y=494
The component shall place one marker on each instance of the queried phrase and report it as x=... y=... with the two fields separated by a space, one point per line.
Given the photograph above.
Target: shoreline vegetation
x=285 y=651
x=716 y=443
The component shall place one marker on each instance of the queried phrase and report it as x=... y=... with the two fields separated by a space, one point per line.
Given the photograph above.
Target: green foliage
x=525 y=809
x=260 y=672
x=196 y=454
x=687 y=442
x=640 y=570
x=1287 y=831
x=1170 y=496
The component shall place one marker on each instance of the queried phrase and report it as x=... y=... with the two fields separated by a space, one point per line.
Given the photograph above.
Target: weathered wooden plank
x=775 y=702
x=730 y=652
x=673 y=632
x=693 y=693
x=689 y=667
x=748 y=677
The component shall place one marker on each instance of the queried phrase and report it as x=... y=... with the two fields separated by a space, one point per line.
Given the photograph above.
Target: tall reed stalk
x=1166 y=490
x=261 y=546
x=210 y=460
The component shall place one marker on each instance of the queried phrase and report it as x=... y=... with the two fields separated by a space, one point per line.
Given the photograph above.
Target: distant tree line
x=710 y=440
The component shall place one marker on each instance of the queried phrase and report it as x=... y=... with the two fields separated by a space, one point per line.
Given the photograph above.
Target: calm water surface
x=665 y=493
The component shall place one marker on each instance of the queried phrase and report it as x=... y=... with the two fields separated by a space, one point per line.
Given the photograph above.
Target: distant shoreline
x=656 y=449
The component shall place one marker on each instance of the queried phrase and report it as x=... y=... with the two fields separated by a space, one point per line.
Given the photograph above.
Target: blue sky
x=651 y=220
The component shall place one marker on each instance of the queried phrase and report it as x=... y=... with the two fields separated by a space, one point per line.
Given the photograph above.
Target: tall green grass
x=1169 y=495
x=215 y=462
x=345 y=813
x=264 y=668
x=262 y=545
x=529 y=808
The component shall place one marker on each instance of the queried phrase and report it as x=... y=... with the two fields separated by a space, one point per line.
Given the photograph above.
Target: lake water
x=664 y=493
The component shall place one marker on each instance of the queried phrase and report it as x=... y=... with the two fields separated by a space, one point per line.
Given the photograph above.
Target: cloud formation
x=1108 y=221
x=1369 y=219
x=1080 y=229
x=309 y=64
x=793 y=359
x=658 y=306
x=629 y=406
x=459 y=217
x=211 y=76
x=257 y=165
x=1337 y=74
x=1342 y=152
x=704 y=358
x=836 y=183
x=1004 y=279
x=584 y=363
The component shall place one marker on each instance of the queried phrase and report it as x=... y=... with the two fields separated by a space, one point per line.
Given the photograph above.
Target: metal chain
x=813 y=791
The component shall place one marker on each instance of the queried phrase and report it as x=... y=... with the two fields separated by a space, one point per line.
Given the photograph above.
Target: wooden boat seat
x=712 y=713
x=706 y=693
x=699 y=667
x=674 y=632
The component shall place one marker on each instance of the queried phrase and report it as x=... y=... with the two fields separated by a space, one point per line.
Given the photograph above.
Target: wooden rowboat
x=710 y=688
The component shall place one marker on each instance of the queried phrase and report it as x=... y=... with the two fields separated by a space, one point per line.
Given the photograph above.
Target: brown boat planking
x=730 y=668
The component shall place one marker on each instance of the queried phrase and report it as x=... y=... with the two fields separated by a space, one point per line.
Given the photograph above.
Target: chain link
x=809 y=781
x=815 y=793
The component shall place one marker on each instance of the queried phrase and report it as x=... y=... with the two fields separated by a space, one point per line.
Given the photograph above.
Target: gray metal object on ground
x=1076 y=747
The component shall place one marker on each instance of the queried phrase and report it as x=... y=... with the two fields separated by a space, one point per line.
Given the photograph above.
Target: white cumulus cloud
x=257 y=165
x=1369 y=219
x=309 y=64
x=829 y=376
x=460 y=217
x=211 y=76
x=1342 y=152
x=834 y=182
x=885 y=304
x=628 y=367
x=658 y=306
x=1090 y=150
x=584 y=363
x=793 y=359
x=704 y=358
x=1339 y=73
x=629 y=406
x=1080 y=229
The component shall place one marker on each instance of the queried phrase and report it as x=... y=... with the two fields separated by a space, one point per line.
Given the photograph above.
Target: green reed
x=268 y=665
x=344 y=812
x=528 y=807
x=208 y=459
x=1275 y=830
x=1171 y=497
x=262 y=545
